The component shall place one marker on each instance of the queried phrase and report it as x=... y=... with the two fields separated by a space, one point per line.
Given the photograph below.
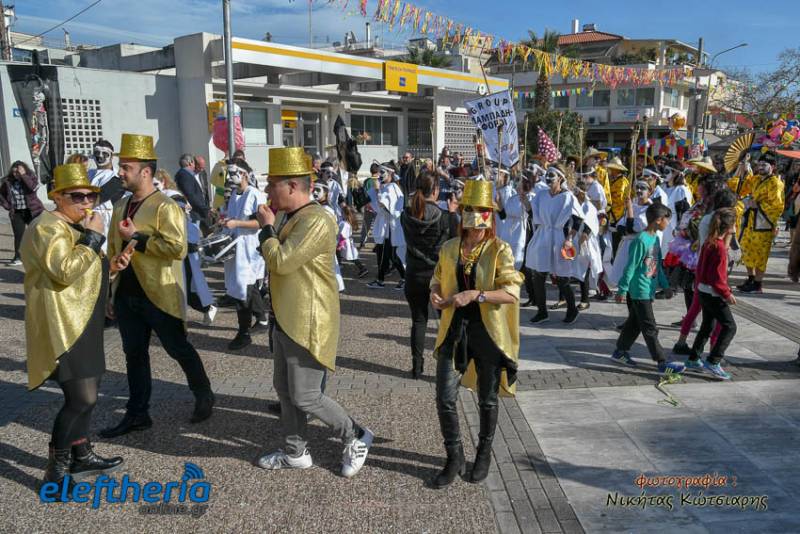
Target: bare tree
x=759 y=96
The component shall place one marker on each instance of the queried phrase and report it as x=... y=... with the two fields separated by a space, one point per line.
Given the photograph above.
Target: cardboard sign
x=493 y=113
x=400 y=77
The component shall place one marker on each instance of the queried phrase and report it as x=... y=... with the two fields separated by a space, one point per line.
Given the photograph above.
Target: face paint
x=480 y=220
x=157 y=184
x=763 y=168
x=319 y=193
x=551 y=176
x=101 y=155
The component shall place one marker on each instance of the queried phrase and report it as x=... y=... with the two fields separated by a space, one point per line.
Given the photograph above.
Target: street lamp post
x=708 y=92
x=226 y=20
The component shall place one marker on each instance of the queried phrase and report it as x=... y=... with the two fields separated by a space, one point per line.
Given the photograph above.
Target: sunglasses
x=79 y=198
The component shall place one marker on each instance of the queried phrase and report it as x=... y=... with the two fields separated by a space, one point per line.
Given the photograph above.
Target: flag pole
x=558 y=130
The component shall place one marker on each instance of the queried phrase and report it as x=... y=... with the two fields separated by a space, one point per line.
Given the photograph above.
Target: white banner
x=494 y=116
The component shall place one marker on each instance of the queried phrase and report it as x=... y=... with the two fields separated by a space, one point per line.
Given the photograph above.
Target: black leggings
x=540 y=293
x=387 y=255
x=20 y=219
x=72 y=421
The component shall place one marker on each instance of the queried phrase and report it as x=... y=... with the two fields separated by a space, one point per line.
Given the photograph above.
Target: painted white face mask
x=233 y=175
x=157 y=184
x=101 y=155
x=319 y=193
x=552 y=175
x=480 y=220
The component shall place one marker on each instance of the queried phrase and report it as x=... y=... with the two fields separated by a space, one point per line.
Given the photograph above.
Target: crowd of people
x=127 y=244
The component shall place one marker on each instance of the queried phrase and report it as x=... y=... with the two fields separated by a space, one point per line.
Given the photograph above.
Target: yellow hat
x=70 y=176
x=616 y=165
x=478 y=194
x=594 y=153
x=288 y=162
x=138 y=147
x=704 y=164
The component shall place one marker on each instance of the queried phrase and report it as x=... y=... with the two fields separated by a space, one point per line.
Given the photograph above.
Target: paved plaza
x=569 y=454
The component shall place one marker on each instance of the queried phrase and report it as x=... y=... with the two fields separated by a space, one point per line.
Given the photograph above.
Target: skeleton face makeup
x=642 y=190
x=158 y=184
x=235 y=175
x=101 y=155
x=763 y=168
x=319 y=193
x=553 y=175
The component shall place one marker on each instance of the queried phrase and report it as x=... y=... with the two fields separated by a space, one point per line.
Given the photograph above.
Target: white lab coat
x=247 y=265
x=623 y=252
x=199 y=283
x=515 y=227
x=589 y=256
x=389 y=207
x=335 y=192
x=597 y=195
x=675 y=194
x=550 y=215
x=349 y=252
x=337 y=271
x=99 y=178
x=505 y=193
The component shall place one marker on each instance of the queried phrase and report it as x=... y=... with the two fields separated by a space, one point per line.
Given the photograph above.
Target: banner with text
x=494 y=116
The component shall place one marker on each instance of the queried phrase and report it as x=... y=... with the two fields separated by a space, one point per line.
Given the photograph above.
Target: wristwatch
x=481 y=297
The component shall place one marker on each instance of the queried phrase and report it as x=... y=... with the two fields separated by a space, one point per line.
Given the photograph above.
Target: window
x=255 y=126
x=83 y=124
x=602 y=98
x=381 y=130
x=584 y=100
x=459 y=134
x=561 y=102
x=419 y=136
x=671 y=98
x=645 y=97
x=626 y=97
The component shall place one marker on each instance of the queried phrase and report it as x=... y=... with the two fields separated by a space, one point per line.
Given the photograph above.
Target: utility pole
x=5 y=38
x=226 y=16
x=310 y=35
x=695 y=115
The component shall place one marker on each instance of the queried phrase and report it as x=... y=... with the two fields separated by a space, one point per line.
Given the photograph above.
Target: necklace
x=131 y=211
x=469 y=260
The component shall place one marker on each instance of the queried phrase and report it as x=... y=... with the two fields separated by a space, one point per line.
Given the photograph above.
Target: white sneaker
x=355 y=454
x=208 y=317
x=281 y=460
x=15 y=263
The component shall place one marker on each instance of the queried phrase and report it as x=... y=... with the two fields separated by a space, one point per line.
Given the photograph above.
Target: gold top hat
x=135 y=146
x=704 y=164
x=288 y=162
x=478 y=194
x=70 y=176
x=594 y=153
x=616 y=165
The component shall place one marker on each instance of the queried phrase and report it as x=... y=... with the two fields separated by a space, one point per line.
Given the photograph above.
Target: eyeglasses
x=80 y=198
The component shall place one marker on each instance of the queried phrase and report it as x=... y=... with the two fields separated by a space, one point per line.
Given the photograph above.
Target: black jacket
x=187 y=184
x=424 y=238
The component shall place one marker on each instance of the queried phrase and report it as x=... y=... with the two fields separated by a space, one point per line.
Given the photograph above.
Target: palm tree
x=427 y=57
x=548 y=43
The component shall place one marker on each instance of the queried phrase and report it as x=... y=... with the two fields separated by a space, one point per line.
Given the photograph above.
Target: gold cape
x=302 y=281
x=62 y=283
x=620 y=191
x=159 y=269
x=494 y=270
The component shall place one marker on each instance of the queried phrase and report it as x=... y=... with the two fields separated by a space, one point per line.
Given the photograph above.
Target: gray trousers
x=298 y=381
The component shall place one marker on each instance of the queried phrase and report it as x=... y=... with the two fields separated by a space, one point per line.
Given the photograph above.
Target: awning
x=794 y=154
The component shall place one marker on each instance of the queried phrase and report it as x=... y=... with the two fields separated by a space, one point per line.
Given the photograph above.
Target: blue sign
x=16 y=112
x=402 y=81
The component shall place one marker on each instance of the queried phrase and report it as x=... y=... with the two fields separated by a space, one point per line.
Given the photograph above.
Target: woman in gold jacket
x=476 y=287
x=66 y=287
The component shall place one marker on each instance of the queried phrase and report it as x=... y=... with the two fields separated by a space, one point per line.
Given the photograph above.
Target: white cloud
x=155 y=22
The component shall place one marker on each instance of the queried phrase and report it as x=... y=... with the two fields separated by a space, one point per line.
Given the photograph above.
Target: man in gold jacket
x=305 y=301
x=149 y=294
x=620 y=187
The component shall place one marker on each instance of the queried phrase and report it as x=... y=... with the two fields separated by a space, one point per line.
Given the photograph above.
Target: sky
x=722 y=24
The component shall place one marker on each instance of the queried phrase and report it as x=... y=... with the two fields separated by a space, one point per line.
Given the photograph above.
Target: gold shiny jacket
x=62 y=283
x=620 y=191
x=159 y=268
x=302 y=281
x=495 y=270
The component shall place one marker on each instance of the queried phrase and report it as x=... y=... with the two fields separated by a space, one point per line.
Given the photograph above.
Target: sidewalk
x=580 y=428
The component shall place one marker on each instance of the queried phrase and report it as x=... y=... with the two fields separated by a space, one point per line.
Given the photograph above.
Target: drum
x=216 y=248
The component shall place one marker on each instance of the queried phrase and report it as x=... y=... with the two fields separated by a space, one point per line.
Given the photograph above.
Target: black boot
x=418 y=365
x=747 y=284
x=203 y=407
x=129 y=423
x=57 y=465
x=456 y=465
x=480 y=469
x=85 y=463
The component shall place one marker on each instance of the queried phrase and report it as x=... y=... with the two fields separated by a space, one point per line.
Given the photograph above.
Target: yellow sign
x=400 y=77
